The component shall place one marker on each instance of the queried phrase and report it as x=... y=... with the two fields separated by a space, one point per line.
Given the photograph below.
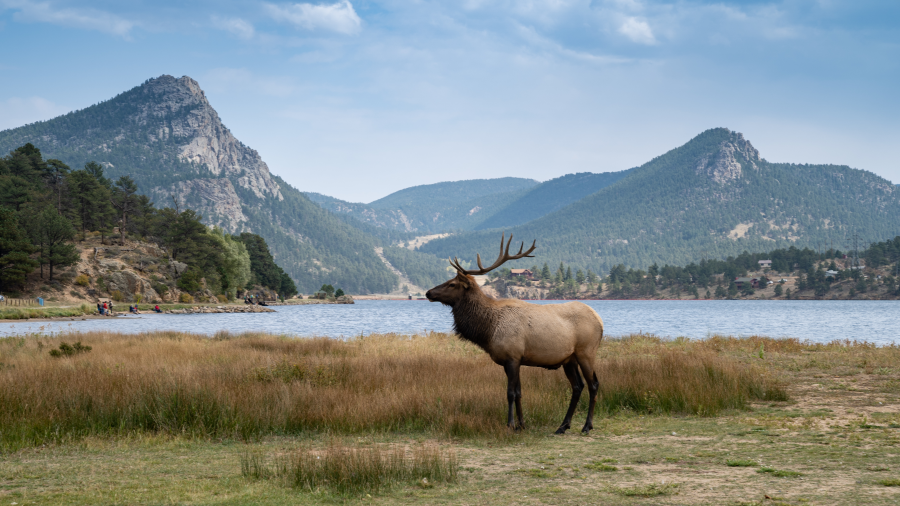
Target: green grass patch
x=889 y=482
x=600 y=466
x=780 y=473
x=23 y=313
x=650 y=490
x=537 y=473
x=741 y=463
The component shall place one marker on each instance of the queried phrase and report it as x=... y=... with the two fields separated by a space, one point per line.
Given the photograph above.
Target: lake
x=817 y=321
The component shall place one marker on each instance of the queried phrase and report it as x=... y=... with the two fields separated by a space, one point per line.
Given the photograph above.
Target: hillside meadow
x=169 y=417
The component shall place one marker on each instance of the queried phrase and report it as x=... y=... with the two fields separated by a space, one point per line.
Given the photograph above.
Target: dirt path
x=411 y=287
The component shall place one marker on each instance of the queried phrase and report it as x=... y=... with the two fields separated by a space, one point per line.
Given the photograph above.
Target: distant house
x=526 y=273
x=830 y=273
x=765 y=264
x=740 y=283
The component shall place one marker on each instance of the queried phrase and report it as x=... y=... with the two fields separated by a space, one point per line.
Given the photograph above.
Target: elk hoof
x=586 y=429
x=562 y=429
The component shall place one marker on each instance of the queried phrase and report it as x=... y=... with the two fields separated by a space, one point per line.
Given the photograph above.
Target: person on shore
x=99 y=309
x=157 y=309
x=103 y=311
x=110 y=307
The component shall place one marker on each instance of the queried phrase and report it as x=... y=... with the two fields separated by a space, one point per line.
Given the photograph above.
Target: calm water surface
x=817 y=321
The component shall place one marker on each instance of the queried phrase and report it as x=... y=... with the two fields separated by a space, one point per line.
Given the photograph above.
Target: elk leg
x=587 y=370
x=512 y=377
x=571 y=370
x=521 y=419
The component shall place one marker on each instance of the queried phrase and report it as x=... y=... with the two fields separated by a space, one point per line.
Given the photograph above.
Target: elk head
x=450 y=292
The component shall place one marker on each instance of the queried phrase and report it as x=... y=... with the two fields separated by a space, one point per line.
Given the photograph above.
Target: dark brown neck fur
x=474 y=317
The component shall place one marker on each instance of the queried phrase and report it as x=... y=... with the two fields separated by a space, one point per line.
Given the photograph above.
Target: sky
x=357 y=99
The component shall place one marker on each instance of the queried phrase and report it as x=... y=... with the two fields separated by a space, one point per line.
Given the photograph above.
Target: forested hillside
x=433 y=208
x=711 y=198
x=48 y=210
x=166 y=136
x=550 y=196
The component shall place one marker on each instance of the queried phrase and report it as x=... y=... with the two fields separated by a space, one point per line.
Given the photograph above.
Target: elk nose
x=428 y=295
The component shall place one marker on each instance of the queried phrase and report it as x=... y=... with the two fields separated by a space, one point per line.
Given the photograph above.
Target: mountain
x=433 y=208
x=166 y=135
x=550 y=196
x=712 y=197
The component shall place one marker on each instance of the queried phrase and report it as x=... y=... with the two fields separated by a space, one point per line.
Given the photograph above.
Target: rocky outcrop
x=215 y=199
x=220 y=309
x=724 y=165
x=209 y=142
x=128 y=282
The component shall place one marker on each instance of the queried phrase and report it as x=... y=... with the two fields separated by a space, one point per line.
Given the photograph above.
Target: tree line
x=46 y=207
x=715 y=278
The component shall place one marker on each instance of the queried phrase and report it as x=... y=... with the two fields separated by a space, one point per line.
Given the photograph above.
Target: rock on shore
x=220 y=309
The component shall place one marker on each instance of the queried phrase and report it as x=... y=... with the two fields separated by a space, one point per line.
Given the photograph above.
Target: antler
x=504 y=256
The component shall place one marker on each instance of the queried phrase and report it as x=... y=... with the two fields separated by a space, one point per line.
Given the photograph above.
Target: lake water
x=817 y=321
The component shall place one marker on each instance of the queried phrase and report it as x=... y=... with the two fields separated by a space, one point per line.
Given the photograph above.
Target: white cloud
x=17 y=111
x=235 y=26
x=88 y=19
x=638 y=31
x=337 y=17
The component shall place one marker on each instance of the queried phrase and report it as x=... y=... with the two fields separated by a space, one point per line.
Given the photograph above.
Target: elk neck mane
x=475 y=316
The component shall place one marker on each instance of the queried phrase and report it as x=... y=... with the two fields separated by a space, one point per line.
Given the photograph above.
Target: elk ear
x=463 y=279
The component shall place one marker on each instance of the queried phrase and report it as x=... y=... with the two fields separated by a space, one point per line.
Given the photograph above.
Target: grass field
x=257 y=419
x=22 y=313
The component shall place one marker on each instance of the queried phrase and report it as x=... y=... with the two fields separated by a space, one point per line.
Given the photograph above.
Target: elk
x=515 y=333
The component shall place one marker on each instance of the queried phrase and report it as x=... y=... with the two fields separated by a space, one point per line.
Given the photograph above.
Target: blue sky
x=358 y=98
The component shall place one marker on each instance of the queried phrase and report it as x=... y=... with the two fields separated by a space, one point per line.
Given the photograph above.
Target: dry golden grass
x=351 y=470
x=249 y=385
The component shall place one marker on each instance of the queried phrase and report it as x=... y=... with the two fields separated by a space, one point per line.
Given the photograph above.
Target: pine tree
x=124 y=200
x=51 y=233
x=15 y=250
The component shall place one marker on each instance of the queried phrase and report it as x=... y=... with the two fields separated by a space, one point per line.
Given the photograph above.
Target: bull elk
x=515 y=333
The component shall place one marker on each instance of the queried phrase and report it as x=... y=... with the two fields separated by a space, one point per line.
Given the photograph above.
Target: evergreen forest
x=47 y=208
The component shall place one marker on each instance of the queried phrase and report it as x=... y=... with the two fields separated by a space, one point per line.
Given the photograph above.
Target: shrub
x=117 y=296
x=190 y=280
x=65 y=350
x=138 y=297
x=82 y=280
x=160 y=288
x=222 y=298
x=185 y=298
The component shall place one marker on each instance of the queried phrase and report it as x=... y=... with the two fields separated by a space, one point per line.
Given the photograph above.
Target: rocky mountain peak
x=190 y=117
x=166 y=94
x=724 y=164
